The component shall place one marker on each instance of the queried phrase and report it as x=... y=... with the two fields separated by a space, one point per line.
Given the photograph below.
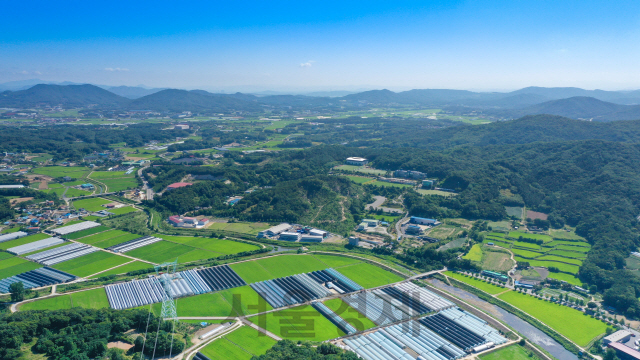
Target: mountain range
x=594 y=105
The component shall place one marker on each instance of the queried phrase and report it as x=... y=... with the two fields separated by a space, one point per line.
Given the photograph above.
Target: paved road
x=145 y=184
x=379 y=201
x=399 y=225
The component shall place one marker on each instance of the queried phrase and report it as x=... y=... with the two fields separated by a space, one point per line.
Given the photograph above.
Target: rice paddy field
x=217 y=245
x=369 y=276
x=23 y=240
x=93 y=204
x=92 y=239
x=99 y=175
x=61 y=171
x=241 y=344
x=210 y=304
x=513 y=352
x=120 y=184
x=298 y=323
x=90 y=299
x=123 y=269
x=115 y=240
x=240 y=227
x=286 y=265
x=569 y=322
x=90 y=264
x=71 y=193
x=566 y=255
x=336 y=261
x=486 y=287
x=565 y=277
x=245 y=301
x=14 y=265
x=86 y=232
x=163 y=251
x=123 y=210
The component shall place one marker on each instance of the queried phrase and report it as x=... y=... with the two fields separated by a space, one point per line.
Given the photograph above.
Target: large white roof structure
x=75 y=227
x=12 y=236
x=36 y=245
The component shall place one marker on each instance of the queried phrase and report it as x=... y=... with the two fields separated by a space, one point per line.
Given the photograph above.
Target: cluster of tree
x=6 y=210
x=289 y=350
x=78 y=334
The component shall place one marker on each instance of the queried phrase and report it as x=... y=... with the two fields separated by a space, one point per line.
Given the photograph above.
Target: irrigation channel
x=529 y=331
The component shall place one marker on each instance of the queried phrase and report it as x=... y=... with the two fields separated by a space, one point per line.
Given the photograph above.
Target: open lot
x=369 y=276
x=91 y=263
x=90 y=299
x=436 y=192
x=388 y=184
x=240 y=227
x=569 y=322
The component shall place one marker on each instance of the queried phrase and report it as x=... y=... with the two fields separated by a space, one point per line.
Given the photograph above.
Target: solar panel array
x=75 y=227
x=134 y=244
x=61 y=254
x=186 y=283
x=36 y=245
x=290 y=290
x=36 y=278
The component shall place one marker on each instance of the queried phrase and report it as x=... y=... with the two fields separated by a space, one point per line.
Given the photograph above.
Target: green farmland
x=369 y=276
x=90 y=299
x=569 y=322
x=513 y=352
x=239 y=227
x=216 y=245
x=163 y=251
x=92 y=204
x=475 y=254
x=349 y=314
x=23 y=240
x=298 y=323
x=14 y=266
x=90 y=264
x=243 y=343
x=360 y=169
x=61 y=171
x=123 y=269
x=477 y=283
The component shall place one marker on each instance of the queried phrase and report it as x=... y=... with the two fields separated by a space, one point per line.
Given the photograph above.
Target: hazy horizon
x=334 y=46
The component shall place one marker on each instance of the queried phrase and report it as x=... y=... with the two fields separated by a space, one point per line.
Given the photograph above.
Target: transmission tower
x=167 y=275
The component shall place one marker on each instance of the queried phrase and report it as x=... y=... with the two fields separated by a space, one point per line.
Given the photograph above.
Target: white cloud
x=37 y=72
x=307 y=64
x=24 y=72
x=116 y=69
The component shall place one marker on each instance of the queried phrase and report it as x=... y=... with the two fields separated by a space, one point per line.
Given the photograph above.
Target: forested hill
x=579 y=107
x=69 y=95
x=529 y=129
x=180 y=100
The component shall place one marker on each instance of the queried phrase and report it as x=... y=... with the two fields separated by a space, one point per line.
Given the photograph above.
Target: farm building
x=317 y=232
x=357 y=161
x=87 y=186
x=75 y=227
x=187 y=222
x=178 y=185
x=495 y=275
x=12 y=236
x=181 y=126
x=422 y=221
x=311 y=238
x=276 y=230
x=413 y=229
x=618 y=336
x=371 y=222
x=289 y=236
x=624 y=352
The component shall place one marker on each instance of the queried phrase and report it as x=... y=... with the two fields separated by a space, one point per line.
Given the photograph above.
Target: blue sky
x=324 y=45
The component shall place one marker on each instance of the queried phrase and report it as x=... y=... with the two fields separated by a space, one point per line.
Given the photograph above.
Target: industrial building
x=397 y=181
x=289 y=236
x=409 y=174
x=311 y=238
x=413 y=230
x=187 y=222
x=618 y=336
x=624 y=352
x=275 y=230
x=422 y=221
x=427 y=184
x=357 y=161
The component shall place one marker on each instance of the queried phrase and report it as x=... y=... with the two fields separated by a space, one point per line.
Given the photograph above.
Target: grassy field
x=210 y=304
x=116 y=240
x=514 y=211
x=132 y=266
x=92 y=204
x=240 y=227
x=359 y=179
x=571 y=269
x=91 y=263
x=71 y=193
x=568 y=235
x=23 y=240
x=360 y=169
x=223 y=349
x=163 y=251
x=286 y=265
x=14 y=266
x=513 y=352
x=569 y=322
x=86 y=232
x=526 y=253
x=475 y=254
x=436 y=192
x=566 y=277
x=5 y=255
x=496 y=261
x=123 y=210
x=61 y=171
x=569 y=254
x=369 y=276
x=486 y=287
x=217 y=245
x=299 y=323
x=349 y=314
x=388 y=184
x=336 y=261
x=90 y=299
x=98 y=175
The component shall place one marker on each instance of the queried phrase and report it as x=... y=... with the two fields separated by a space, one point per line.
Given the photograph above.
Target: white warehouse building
x=275 y=230
x=358 y=161
x=289 y=236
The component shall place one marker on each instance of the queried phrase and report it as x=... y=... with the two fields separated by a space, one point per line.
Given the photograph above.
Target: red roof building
x=178 y=185
x=624 y=352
